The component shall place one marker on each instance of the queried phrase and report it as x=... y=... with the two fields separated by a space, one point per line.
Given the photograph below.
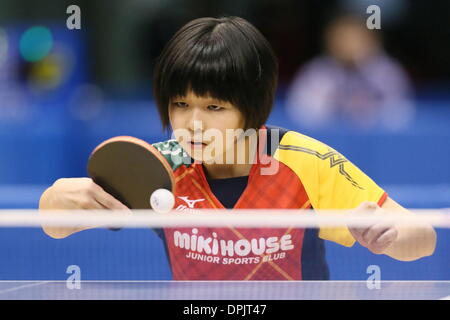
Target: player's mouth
x=194 y=144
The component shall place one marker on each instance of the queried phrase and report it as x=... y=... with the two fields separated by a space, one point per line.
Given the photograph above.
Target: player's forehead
x=205 y=98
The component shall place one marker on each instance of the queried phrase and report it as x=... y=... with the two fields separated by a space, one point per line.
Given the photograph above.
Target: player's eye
x=179 y=104
x=214 y=108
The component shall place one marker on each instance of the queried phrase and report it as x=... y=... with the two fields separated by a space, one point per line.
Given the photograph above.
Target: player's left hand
x=377 y=237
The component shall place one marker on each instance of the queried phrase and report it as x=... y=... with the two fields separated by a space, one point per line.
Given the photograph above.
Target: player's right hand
x=75 y=194
x=78 y=193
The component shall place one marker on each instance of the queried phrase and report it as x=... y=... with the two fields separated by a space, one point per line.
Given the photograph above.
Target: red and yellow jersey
x=294 y=171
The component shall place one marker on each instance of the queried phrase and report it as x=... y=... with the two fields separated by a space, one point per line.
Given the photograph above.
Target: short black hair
x=226 y=58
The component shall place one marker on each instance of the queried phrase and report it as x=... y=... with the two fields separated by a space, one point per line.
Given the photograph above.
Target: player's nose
x=195 y=121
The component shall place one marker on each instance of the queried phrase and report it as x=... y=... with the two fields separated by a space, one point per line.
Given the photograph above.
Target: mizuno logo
x=190 y=203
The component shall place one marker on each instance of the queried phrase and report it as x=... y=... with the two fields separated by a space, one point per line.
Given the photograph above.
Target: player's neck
x=223 y=171
x=240 y=165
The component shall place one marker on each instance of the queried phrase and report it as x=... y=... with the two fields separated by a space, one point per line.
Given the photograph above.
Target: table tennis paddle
x=130 y=170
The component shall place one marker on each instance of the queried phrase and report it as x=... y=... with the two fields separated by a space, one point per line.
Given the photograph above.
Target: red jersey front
x=236 y=253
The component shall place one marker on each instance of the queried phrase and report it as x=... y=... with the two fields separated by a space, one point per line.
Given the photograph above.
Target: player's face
x=204 y=126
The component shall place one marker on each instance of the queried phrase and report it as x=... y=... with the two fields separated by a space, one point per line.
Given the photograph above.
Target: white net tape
x=254 y=218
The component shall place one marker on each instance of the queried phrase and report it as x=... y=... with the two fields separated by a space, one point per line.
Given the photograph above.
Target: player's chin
x=205 y=157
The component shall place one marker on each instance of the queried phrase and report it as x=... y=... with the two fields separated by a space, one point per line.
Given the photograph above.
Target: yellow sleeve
x=330 y=180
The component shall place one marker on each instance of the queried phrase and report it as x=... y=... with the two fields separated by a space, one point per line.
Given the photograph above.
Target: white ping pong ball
x=162 y=200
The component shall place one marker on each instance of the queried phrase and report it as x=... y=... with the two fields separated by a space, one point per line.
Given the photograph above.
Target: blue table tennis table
x=224 y=290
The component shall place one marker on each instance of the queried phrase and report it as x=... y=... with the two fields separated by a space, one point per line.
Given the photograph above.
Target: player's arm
x=75 y=193
x=399 y=242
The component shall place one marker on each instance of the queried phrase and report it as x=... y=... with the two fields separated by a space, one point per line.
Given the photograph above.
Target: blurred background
x=380 y=97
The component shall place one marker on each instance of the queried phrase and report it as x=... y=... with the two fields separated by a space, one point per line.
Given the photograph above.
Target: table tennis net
x=143 y=245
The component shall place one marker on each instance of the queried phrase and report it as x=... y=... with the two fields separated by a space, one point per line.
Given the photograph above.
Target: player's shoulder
x=302 y=153
x=173 y=153
x=291 y=140
x=297 y=140
x=167 y=145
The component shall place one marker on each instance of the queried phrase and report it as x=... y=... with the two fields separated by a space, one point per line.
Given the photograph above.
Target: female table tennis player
x=222 y=74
